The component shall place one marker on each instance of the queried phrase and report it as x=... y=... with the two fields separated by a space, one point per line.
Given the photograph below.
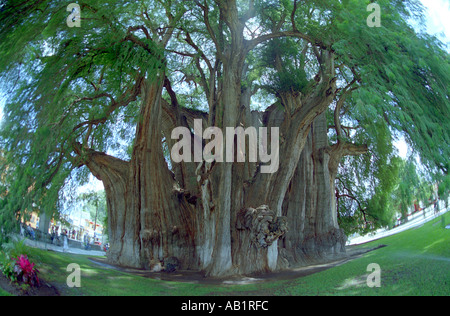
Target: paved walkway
x=74 y=250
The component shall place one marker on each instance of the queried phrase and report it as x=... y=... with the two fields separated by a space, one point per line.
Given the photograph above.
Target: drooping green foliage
x=365 y=184
x=401 y=89
x=403 y=77
x=412 y=189
x=444 y=189
x=62 y=82
x=284 y=56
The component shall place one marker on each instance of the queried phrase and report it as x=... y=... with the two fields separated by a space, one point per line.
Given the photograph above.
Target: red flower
x=26 y=270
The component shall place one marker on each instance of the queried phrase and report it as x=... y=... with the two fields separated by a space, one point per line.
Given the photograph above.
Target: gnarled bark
x=226 y=217
x=309 y=205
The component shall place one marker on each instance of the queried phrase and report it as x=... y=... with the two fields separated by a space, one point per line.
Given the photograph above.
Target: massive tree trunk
x=310 y=205
x=221 y=227
x=221 y=217
x=149 y=217
x=232 y=221
x=225 y=217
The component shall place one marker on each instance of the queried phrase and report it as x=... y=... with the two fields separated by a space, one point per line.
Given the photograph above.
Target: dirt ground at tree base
x=199 y=276
x=45 y=288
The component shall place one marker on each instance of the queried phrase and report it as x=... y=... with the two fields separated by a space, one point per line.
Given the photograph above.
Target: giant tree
x=107 y=96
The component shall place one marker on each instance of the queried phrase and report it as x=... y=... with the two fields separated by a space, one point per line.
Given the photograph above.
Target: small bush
x=7 y=266
x=25 y=271
x=19 y=270
x=16 y=266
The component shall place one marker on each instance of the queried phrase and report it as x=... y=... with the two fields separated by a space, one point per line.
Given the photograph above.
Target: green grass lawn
x=4 y=293
x=415 y=262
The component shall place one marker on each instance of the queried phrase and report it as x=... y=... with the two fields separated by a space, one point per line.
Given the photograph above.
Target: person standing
x=65 y=241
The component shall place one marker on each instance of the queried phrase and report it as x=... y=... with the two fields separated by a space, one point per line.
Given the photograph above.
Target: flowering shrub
x=25 y=271
x=20 y=270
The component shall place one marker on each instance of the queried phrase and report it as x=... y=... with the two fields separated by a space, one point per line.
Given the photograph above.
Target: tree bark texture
x=228 y=223
x=226 y=217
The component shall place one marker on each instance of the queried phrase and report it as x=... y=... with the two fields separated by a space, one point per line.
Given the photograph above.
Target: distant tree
x=444 y=189
x=412 y=188
x=95 y=204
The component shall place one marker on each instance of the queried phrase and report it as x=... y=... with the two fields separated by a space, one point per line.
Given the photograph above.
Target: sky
x=2 y=103
x=438 y=19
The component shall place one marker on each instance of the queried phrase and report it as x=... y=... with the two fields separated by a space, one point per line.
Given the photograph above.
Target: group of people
x=66 y=234
x=61 y=239
x=27 y=231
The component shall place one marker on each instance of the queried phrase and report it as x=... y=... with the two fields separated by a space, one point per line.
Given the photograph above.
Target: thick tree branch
x=363 y=211
x=339 y=104
x=99 y=163
x=350 y=149
x=142 y=28
x=250 y=13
